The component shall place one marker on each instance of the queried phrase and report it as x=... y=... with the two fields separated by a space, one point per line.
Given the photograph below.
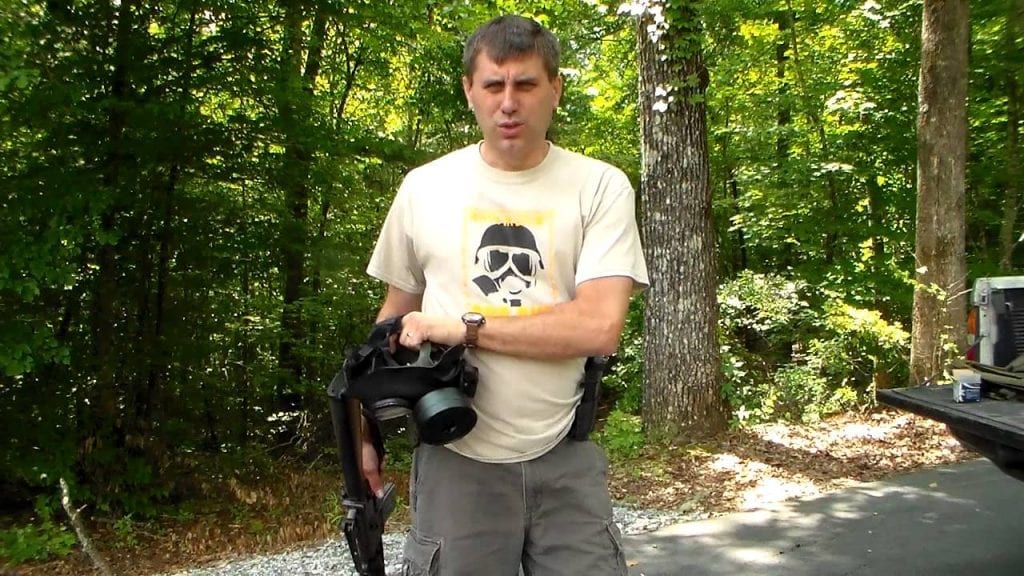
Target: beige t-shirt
x=470 y=237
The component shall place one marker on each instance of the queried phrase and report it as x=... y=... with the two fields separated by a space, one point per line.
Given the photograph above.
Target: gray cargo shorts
x=551 y=515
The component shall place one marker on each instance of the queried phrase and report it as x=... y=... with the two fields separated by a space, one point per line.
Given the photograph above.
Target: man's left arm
x=588 y=325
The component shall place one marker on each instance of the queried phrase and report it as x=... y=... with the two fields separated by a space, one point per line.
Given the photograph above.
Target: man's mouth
x=509 y=127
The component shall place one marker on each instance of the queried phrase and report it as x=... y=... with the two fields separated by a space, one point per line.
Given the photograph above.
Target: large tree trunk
x=939 y=305
x=681 y=355
x=1011 y=206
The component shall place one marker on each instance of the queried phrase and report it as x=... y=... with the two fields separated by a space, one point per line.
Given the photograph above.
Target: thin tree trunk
x=737 y=256
x=681 y=364
x=294 y=178
x=784 y=114
x=1011 y=205
x=831 y=238
x=939 y=308
x=876 y=222
x=159 y=360
x=101 y=409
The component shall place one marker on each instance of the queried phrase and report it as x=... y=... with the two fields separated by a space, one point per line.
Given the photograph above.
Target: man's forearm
x=565 y=331
x=588 y=325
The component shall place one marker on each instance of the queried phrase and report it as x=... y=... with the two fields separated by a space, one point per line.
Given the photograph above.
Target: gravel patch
x=333 y=559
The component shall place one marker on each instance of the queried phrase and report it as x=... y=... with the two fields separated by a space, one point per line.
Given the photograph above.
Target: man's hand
x=418 y=328
x=372 y=467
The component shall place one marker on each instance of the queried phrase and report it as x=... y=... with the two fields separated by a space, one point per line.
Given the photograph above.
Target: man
x=527 y=254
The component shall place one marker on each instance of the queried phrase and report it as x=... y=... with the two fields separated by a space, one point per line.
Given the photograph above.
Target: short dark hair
x=507 y=37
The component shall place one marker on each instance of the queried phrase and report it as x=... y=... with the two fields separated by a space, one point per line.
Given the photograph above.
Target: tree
x=1013 y=167
x=939 y=310
x=681 y=356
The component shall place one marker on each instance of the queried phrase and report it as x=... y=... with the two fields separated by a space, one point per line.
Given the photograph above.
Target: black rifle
x=365 y=512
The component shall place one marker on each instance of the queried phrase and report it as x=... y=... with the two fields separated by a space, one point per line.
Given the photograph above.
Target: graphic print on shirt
x=508 y=267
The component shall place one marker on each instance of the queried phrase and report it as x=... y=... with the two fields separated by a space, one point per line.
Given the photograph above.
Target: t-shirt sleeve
x=394 y=257
x=611 y=240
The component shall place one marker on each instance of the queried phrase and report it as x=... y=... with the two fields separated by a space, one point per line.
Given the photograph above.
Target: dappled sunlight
x=773 y=490
x=767 y=464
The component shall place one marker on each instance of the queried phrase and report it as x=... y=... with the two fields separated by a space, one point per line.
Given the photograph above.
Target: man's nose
x=509 y=102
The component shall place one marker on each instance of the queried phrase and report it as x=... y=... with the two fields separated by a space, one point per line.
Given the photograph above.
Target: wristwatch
x=473 y=322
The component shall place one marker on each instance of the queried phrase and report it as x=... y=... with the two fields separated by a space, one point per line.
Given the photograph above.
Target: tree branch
x=76 y=523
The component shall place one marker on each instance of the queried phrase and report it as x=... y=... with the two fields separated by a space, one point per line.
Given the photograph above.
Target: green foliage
x=623 y=384
x=857 y=347
x=36 y=542
x=398 y=443
x=161 y=161
x=126 y=532
x=768 y=310
x=42 y=540
x=622 y=435
x=790 y=352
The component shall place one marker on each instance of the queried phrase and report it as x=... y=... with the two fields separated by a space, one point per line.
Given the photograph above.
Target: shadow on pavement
x=962 y=519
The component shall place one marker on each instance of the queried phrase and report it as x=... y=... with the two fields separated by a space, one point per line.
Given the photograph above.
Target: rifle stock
x=365 y=512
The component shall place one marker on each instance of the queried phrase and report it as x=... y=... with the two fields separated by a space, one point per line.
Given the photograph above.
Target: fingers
x=418 y=328
x=415 y=330
x=411 y=339
x=372 y=467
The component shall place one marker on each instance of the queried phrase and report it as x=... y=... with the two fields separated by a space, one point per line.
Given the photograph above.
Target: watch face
x=473 y=318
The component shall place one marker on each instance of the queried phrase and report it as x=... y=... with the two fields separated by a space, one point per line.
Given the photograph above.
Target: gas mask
x=433 y=384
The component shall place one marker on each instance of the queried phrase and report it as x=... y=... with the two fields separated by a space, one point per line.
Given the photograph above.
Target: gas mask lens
x=498 y=259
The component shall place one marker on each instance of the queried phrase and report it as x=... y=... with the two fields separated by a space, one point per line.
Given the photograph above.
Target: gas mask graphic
x=508 y=261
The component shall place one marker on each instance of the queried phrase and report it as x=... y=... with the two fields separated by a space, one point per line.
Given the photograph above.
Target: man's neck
x=514 y=163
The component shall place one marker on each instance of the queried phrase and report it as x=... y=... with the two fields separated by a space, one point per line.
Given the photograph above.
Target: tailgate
x=993 y=428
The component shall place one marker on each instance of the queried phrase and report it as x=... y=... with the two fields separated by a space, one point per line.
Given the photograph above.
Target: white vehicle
x=996 y=320
x=992 y=426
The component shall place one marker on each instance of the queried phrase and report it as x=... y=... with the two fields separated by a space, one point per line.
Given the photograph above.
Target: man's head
x=513 y=87
x=509 y=37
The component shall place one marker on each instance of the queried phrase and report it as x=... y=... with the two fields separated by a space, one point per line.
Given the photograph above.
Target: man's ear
x=557 y=87
x=467 y=86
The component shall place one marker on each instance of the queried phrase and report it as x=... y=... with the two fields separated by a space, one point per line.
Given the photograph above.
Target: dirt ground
x=734 y=471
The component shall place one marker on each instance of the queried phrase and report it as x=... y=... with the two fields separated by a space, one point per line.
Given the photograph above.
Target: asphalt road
x=964 y=519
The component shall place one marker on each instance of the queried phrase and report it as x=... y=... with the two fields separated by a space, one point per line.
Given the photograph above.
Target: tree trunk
x=1007 y=233
x=294 y=107
x=939 y=306
x=784 y=114
x=830 y=240
x=100 y=410
x=681 y=355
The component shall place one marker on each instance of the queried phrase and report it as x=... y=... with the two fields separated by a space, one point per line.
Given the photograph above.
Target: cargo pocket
x=420 y=555
x=620 y=557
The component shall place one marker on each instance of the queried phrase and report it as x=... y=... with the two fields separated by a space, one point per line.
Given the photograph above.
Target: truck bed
x=993 y=428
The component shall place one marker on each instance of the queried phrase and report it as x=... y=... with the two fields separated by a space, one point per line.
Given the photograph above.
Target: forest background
x=189 y=192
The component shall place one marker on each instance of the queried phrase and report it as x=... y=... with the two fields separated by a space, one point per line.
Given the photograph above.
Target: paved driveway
x=963 y=519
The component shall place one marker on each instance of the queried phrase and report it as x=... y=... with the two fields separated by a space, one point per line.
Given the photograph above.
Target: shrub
x=791 y=353
x=40 y=541
x=622 y=435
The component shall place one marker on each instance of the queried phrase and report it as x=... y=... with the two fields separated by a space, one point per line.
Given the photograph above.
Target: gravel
x=333 y=559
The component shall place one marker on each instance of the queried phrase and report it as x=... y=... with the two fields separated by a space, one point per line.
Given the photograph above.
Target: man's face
x=513 y=103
